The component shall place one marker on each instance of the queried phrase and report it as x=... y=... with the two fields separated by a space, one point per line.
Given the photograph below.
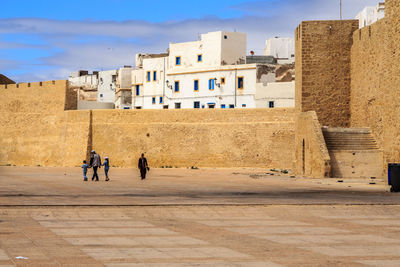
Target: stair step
x=349 y=139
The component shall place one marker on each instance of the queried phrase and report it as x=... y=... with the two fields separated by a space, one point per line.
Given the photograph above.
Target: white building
x=123 y=93
x=83 y=80
x=107 y=86
x=276 y=95
x=282 y=49
x=209 y=73
x=371 y=14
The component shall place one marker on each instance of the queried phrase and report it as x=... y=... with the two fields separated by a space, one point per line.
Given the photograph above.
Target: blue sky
x=45 y=40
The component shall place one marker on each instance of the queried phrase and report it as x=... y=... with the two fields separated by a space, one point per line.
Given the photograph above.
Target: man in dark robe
x=143 y=166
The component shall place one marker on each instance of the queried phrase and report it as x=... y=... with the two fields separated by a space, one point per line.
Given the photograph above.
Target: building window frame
x=137 y=90
x=199 y=58
x=178 y=60
x=178 y=105
x=176 y=86
x=153 y=100
x=211 y=84
x=222 y=80
x=196 y=104
x=148 y=76
x=154 y=76
x=196 y=85
x=240 y=85
x=161 y=100
x=271 y=104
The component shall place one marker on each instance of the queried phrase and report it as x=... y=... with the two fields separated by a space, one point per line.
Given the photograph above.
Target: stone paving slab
x=194 y=240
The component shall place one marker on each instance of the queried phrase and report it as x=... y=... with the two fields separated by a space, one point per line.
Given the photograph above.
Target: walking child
x=106 y=165
x=85 y=167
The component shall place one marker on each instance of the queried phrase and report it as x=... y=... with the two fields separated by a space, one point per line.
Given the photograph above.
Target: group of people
x=95 y=163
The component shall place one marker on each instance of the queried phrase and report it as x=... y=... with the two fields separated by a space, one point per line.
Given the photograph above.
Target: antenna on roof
x=341 y=13
x=198 y=36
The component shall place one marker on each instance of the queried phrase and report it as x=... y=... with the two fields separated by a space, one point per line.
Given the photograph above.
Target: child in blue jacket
x=106 y=165
x=85 y=167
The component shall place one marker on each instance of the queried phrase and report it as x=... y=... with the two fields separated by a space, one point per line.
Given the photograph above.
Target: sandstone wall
x=35 y=130
x=201 y=138
x=375 y=80
x=312 y=157
x=323 y=69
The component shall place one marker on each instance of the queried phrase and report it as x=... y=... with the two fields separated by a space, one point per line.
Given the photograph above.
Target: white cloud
x=96 y=45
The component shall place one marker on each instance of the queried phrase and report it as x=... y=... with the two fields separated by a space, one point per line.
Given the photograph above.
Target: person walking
x=143 y=167
x=85 y=168
x=95 y=162
x=106 y=165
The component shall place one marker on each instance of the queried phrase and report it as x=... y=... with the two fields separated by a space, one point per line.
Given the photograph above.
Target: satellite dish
x=252 y=53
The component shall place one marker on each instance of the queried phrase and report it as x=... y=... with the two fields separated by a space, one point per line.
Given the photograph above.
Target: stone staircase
x=354 y=153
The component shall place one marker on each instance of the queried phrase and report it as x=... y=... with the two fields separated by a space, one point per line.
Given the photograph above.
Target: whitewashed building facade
x=282 y=49
x=371 y=14
x=209 y=73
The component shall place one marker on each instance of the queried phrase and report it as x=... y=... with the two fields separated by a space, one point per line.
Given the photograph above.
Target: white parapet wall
x=275 y=95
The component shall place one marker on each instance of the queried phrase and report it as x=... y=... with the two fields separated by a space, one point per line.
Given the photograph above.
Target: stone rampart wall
x=35 y=129
x=312 y=156
x=375 y=80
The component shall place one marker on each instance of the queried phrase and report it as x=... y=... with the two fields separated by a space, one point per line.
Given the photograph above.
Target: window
x=199 y=58
x=222 y=80
x=178 y=61
x=196 y=104
x=153 y=100
x=225 y=36
x=114 y=78
x=231 y=106
x=211 y=105
x=211 y=84
x=196 y=85
x=148 y=76
x=127 y=108
x=154 y=75
x=137 y=89
x=271 y=104
x=223 y=106
x=244 y=105
x=176 y=89
x=240 y=83
x=138 y=107
x=101 y=95
x=161 y=100
x=292 y=55
x=177 y=105
x=165 y=107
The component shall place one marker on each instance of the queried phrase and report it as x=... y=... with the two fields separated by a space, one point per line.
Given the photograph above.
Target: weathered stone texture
x=375 y=68
x=202 y=138
x=35 y=130
x=323 y=70
x=312 y=157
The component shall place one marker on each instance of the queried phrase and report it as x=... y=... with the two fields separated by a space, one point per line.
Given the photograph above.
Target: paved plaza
x=206 y=217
